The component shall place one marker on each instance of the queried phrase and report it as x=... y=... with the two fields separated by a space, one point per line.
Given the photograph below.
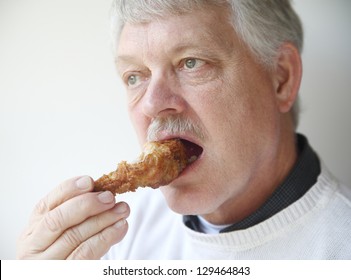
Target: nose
x=162 y=97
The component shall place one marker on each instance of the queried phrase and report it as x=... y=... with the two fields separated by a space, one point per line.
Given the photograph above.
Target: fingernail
x=106 y=197
x=84 y=183
x=120 y=223
x=120 y=208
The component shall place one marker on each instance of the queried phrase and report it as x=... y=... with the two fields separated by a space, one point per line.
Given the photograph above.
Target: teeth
x=192 y=159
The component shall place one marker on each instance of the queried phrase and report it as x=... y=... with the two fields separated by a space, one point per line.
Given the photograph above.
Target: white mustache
x=173 y=125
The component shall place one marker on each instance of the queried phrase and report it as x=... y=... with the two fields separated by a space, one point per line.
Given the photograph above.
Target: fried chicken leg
x=159 y=164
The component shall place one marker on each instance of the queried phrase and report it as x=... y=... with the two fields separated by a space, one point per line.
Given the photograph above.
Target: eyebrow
x=121 y=61
x=178 y=49
x=127 y=59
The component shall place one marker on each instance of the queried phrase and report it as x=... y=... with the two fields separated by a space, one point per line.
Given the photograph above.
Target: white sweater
x=317 y=226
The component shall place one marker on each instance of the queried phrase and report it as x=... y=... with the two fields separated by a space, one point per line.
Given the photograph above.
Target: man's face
x=195 y=67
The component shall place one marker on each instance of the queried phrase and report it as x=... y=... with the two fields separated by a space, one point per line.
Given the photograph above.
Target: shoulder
x=345 y=194
x=340 y=192
x=334 y=216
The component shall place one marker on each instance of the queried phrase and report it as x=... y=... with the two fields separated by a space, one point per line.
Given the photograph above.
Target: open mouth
x=193 y=151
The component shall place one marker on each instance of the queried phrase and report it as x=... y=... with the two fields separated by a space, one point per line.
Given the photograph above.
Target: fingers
x=92 y=238
x=95 y=247
x=65 y=191
x=70 y=213
x=28 y=243
x=73 y=222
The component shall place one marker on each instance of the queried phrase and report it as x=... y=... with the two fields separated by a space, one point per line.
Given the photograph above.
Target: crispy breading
x=159 y=164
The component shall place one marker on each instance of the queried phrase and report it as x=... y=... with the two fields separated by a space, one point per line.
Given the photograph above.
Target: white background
x=62 y=107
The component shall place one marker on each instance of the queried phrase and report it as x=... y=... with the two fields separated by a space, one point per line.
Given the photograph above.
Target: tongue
x=193 y=151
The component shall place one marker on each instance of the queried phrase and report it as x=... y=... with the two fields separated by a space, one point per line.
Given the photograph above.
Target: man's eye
x=133 y=80
x=191 y=63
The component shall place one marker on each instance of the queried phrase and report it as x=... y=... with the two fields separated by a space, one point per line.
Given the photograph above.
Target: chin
x=186 y=201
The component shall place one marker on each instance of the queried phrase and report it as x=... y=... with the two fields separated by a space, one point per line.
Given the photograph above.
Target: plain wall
x=62 y=107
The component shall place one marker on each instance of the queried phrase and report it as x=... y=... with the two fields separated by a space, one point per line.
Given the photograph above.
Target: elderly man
x=223 y=75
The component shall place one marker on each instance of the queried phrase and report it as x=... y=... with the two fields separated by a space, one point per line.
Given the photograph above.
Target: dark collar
x=302 y=177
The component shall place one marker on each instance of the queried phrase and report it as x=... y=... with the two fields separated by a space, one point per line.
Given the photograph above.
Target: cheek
x=242 y=120
x=249 y=101
x=140 y=124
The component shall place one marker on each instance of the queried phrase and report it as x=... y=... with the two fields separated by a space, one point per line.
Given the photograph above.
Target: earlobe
x=287 y=76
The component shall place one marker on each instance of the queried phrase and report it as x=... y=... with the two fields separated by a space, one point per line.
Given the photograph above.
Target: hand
x=72 y=222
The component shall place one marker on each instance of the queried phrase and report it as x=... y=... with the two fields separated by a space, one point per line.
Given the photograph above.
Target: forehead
x=199 y=29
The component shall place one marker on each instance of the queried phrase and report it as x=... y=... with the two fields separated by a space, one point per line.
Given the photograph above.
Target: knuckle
x=98 y=222
x=84 y=252
x=103 y=237
x=26 y=250
x=41 y=207
x=26 y=254
x=29 y=245
x=72 y=238
x=61 y=190
x=94 y=247
x=53 y=220
x=89 y=251
x=84 y=203
x=113 y=234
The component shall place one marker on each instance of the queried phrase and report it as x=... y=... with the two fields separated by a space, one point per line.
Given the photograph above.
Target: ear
x=287 y=76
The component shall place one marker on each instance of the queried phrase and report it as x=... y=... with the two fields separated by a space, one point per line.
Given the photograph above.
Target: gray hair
x=263 y=25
